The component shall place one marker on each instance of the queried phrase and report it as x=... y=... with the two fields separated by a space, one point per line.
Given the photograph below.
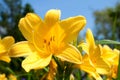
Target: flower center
x=50 y=45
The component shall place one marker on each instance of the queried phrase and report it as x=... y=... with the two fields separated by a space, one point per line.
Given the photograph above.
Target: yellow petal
x=3 y=77
x=59 y=34
x=34 y=61
x=72 y=26
x=8 y=42
x=108 y=54
x=90 y=39
x=12 y=77
x=19 y=49
x=39 y=35
x=5 y=58
x=70 y=54
x=87 y=67
x=28 y=23
x=101 y=66
x=2 y=48
x=52 y=16
x=116 y=59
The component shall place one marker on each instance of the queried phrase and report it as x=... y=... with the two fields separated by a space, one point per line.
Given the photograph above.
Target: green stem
x=29 y=76
x=79 y=75
x=7 y=69
x=10 y=70
x=64 y=69
x=23 y=75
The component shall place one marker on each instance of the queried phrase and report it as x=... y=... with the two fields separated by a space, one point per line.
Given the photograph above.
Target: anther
x=51 y=39
x=45 y=41
x=48 y=43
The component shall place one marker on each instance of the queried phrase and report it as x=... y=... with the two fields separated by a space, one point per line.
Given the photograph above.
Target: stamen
x=45 y=41
x=52 y=38
x=48 y=43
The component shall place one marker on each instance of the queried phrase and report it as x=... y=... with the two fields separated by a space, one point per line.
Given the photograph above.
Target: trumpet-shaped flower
x=5 y=45
x=94 y=53
x=48 y=38
x=88 y=67
x=112 y=58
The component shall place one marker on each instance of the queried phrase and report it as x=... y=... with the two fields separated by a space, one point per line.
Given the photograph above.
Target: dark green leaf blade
x=107 y=42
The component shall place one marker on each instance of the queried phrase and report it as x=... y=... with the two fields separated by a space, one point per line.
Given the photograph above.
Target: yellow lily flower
x=47 y=38
x=3 y=77
x=94 y=53
x=12 y=77
x=87 y=66
x=5 y=45
x=112 y=58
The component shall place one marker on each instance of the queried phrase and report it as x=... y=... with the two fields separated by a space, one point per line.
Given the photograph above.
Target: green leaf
x=107 y=42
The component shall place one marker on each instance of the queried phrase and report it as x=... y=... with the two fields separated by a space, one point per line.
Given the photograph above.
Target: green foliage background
x=108 y=24
x=10 y=13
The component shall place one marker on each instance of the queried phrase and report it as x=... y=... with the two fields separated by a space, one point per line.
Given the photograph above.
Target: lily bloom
x=95 y=54
x=47 y=38
x=112 y=58
x=12 y=77
x=5 y=45
x=88 y=67
x=3 y=77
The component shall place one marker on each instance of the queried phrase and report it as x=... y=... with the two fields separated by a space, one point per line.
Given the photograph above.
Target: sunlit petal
x=72 y=26
x=116 y=58
x=70 y=54
x=8 y=41
x=90 y=39
x=5 y=45
x=5 y=58
x=21 y=49
x=108 y=54
x=34 y=61
x=89 y=68
x=52 y=16
x=28 y=23
x=101 y=66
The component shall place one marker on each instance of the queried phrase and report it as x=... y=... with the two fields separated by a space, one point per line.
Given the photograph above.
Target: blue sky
x=72 y=8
